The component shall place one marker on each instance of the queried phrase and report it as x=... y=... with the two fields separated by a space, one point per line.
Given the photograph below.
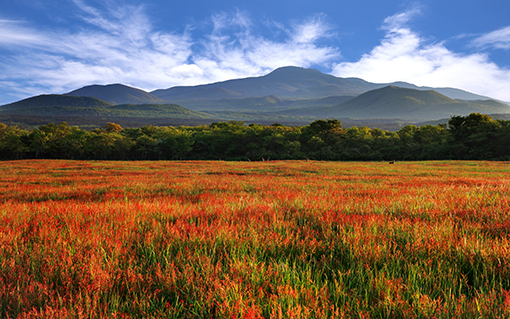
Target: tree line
x=473 y=137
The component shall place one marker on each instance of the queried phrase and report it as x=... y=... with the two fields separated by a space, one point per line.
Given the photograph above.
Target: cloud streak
x=499 y=39
x=120 y=45
x=405 y=56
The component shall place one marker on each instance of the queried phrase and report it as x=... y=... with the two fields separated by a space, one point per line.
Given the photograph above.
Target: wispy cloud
x=17 y=33
x=499 y=39
x=405 y=56
x=119 y=45
x=243 y=53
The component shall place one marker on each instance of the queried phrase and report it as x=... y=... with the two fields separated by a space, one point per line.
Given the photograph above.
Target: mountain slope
x=64 y=105
x=452 y=93
x=394 y=102
x=270 y=103
x=54 y=100
x=117 y=94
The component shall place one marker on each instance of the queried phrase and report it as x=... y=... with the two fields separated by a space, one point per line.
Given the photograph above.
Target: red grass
x=252 y=240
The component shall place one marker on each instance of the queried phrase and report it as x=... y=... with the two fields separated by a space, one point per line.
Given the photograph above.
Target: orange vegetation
x=290 y=239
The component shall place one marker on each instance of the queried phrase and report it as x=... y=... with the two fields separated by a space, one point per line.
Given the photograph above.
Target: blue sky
x=55 y=46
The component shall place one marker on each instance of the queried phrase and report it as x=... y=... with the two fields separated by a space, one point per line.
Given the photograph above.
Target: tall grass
x=254 y=240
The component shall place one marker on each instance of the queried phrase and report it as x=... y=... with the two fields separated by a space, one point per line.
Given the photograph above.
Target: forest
x=472 y=137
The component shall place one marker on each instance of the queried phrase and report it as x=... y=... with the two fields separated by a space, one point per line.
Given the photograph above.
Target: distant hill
x=291 y=83
x=395 y=102
x=452 y=93
x=47 y=100
x=65 y=105
x=117 y=94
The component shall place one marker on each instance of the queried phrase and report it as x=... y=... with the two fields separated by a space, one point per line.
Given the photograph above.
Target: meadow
x=279 y=239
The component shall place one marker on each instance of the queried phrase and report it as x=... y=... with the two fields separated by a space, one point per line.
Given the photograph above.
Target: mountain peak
x=292 y=71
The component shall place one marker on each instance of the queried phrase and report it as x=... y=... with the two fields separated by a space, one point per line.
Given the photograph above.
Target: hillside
x=394 y=102
x=61 y=105
x=117 y=94
x=156 y=111
x=51 y=100
x=452 y=93
x=64 y=105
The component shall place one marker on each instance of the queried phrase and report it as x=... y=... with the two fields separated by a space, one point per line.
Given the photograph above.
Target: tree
x=113 y=128
x=176 y=144
x=12 y=142
x=476 y=134
x=145 y=146
x=329 y=131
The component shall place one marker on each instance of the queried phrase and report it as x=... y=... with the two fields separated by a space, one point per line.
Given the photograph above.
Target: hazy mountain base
x=92 y=122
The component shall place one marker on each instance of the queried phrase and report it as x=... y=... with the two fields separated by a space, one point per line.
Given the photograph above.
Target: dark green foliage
x=475 y=136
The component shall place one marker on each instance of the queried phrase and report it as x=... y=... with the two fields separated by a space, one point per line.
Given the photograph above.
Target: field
x=291 y=239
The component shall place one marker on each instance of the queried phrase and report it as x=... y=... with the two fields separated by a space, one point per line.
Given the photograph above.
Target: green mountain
x=117 y=94
x=64 y=105
x=449 y=92
x=395 y=102
x=57 y=105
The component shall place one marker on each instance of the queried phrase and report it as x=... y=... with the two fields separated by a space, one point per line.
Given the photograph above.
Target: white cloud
x=310 y=31
x=118 y=45
x=405 y=56
x=499 y=39
x=16 y=33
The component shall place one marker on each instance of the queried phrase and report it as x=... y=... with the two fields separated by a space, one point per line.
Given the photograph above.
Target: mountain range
x=286 y=94
x=292 y=83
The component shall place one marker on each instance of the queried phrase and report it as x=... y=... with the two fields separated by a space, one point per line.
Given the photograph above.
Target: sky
x=56 y=46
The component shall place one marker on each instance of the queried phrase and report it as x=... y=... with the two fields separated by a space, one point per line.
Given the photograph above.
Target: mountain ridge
x=296 y=82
